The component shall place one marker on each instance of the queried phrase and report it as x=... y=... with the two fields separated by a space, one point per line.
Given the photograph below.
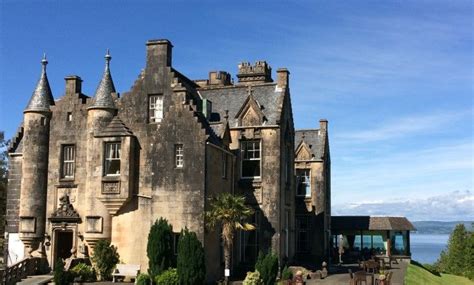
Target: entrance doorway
x=63 y=245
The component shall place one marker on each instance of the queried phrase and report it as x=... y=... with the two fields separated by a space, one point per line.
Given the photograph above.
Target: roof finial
x=226 y=116
x=303 y=136
x=249 y=90
x=44 y=62
x=108 y=57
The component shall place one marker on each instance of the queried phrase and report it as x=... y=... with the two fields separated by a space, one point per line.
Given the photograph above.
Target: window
x=69 y=116
x=224 y=165
x=303 y=179
x=155 y=105
x=68 y=156
x=250 y=151
x=112 y=159
x=179 y=156
x=249 y=240
x=302 y=234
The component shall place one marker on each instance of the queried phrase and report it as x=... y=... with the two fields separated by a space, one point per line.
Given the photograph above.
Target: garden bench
x=125 y=270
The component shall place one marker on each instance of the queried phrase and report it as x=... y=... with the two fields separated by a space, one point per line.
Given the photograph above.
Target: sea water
x=425 y=248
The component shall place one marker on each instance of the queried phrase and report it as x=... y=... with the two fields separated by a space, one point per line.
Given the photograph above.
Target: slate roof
x=371 y=223
x=103 y=97
x=116 y=128
x=42 y=97
x=232 y=98
x=314 y=139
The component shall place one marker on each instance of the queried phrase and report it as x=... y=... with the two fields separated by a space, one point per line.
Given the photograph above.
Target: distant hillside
x=438 y=227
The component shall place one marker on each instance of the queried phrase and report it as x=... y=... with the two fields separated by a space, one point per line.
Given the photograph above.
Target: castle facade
x=86 y=168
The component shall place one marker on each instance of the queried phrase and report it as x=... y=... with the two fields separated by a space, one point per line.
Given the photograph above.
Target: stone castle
x=86 y=168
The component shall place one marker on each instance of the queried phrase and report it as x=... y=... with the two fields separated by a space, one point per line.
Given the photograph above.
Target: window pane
x=112 y=159
x=250 y=151
x=155 y=112
x=67 y=163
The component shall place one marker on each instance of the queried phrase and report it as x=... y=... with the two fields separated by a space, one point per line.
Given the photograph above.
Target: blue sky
x=394 y=79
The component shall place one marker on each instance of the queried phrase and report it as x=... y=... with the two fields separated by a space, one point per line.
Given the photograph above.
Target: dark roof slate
x=42 y=97
x=314 y=139
x=116 y=128
x=371 y=223
x=103 y=95
x=268 y=96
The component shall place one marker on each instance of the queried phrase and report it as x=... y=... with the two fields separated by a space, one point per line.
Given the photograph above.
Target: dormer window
x=112 y=159
x=155 y=108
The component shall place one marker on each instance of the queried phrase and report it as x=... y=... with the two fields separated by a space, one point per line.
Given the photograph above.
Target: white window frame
x=179 y=155
x=243 y=159
x=306 y=180
x=155 y=108
x=112 y=152
x=68 y=161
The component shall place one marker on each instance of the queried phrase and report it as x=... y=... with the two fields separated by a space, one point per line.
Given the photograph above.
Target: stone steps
x=37 y=279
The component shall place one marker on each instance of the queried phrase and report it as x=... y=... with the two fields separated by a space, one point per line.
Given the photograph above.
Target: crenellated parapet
x=260 y=72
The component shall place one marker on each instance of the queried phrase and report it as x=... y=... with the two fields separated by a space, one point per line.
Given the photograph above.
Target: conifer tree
x=454 y=259
x=191 y=261
x=160 y=247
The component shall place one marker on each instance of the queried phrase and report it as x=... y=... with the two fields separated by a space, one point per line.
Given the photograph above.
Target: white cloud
x=405 y=126
x=454 y=206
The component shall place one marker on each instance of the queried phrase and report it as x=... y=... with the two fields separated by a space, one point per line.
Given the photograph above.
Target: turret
x=36 y=118
x=99 y=115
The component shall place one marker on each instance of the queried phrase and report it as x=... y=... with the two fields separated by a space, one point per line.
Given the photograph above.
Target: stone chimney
x=283 y=77
x=221 y=78
x=73 y=84
x=323 y=125
x=249 y=74
x=158 y=52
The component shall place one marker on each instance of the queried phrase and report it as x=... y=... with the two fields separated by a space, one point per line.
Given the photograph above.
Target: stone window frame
x=244 y=152
x=155 y=113
x=179 y=155
x=303 y=179
x=69 y=173
x=107 y=161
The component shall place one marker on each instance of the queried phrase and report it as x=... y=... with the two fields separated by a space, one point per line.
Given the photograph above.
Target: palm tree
x=229 y=212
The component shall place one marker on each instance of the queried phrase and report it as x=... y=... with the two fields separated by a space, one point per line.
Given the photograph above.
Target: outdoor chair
x=360 y=277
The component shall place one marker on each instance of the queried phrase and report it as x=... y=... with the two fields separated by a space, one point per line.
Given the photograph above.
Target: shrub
x=286 y=274
x=105 y=258
x=267 y=265
x=168 y=277
x=143 y=279
x=253 y=278
x=61 y=277
x=191 y=264
x=84 y=271
x=160 y=247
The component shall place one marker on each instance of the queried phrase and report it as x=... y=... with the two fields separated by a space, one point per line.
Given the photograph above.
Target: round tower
x=99 y=115
x=35 y=141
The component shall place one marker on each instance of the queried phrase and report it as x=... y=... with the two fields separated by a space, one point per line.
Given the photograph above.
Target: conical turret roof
x=42 y=97
x=103 y=95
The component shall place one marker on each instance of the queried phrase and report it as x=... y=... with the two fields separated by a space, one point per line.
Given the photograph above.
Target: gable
x=250 y=113
x=303 y=152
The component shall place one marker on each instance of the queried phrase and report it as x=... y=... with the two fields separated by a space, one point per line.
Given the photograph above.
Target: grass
x=417 y=274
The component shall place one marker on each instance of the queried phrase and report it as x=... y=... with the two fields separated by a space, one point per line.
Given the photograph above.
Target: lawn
x=418 y=275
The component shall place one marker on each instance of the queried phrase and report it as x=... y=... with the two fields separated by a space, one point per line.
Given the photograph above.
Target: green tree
x=105 y=257
x=267 y=265
x=454 y=259
x=228 y=212
x=191 y=263
x=469 y=266
x=160 y=247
